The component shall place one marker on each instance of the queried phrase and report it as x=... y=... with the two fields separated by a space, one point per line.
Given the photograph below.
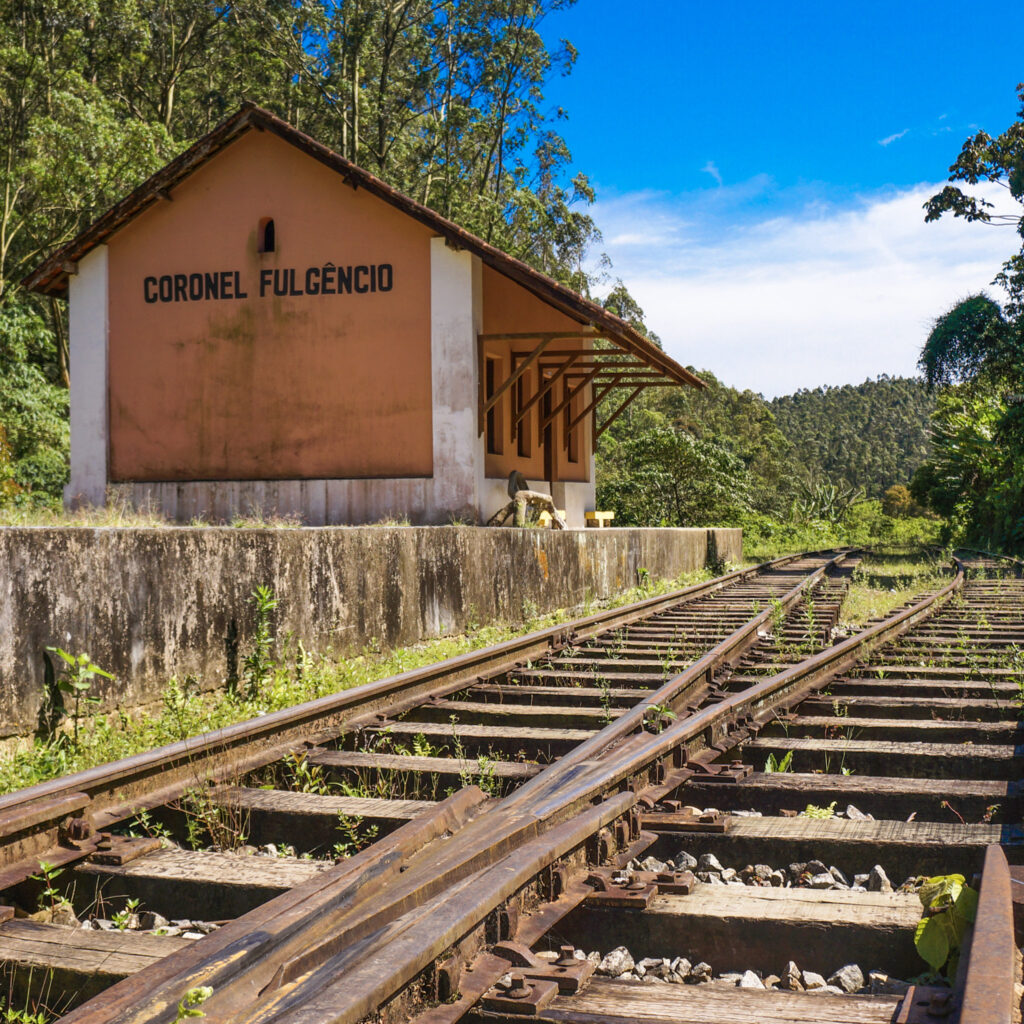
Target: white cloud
x=823 y=295
x=889 y=139
x=712 y=169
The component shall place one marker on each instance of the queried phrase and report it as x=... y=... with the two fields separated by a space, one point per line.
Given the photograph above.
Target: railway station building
x=264 y=327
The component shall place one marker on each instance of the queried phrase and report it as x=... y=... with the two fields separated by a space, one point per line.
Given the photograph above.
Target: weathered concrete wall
x=149 y=604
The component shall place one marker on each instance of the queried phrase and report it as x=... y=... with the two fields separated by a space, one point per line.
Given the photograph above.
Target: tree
x=663 y=476
x=999 y=160
x=974 y=356
x=897 y=501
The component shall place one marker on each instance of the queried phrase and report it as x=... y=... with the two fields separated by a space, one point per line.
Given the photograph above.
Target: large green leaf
x=966 y=906
x=932 y=941
x=941 y=891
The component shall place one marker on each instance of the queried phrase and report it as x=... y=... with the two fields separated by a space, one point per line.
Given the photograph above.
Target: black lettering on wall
x=288 y=281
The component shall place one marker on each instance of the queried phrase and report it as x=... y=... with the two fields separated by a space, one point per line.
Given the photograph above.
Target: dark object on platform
x=517 y=482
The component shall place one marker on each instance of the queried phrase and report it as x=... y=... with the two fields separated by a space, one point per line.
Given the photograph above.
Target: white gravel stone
x=839 y=876
x=790 y=979
x=849 y=978
x=653 y=864
x=616 y=963
x=861 y=879
x=854 y=814
x=878 y=880
x=811 y=981
x=750 y=980
x=699 y=973
x=822 y=881
x=686 y=862
x=709 y=862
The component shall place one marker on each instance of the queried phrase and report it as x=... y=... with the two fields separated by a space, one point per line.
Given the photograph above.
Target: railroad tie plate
x=684 y=821
x=118 y=850
x=566 y=971
x=521 y=998
x=733 y=772
x=925 y=1004
x=635 y=890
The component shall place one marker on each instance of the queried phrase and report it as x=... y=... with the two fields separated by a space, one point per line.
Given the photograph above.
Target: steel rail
x=30 y=818
x=348 y=927
x=331 y=991
x=988 y=985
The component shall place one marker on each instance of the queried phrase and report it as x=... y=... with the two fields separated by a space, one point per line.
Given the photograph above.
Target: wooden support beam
x=590 y=363
x=543 y=335
x=615 y=415
x=545 y=387
x=516 y=374
x=563 y=403
x=593 y=405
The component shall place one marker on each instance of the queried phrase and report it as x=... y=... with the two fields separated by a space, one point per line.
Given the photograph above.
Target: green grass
x=864 y=525
x=885 y=582
x=293 y=677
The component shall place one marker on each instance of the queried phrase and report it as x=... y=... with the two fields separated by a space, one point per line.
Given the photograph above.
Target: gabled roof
x=52 y=275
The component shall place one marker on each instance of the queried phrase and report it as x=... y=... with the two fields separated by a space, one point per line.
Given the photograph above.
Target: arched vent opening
x=266 y=237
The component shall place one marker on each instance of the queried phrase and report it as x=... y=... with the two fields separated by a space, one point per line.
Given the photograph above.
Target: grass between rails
x=291 y=677
x=884 y=582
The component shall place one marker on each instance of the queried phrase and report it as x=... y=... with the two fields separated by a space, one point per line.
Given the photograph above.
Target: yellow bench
x=544 y=519
x=599 y=519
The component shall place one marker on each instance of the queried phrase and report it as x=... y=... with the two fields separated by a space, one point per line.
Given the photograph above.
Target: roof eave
x=51 y=277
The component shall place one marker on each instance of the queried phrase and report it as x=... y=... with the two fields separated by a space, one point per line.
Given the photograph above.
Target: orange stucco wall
x=272 y=387
x=509 y=308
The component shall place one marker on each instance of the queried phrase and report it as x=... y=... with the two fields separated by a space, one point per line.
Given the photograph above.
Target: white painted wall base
x=87 y=344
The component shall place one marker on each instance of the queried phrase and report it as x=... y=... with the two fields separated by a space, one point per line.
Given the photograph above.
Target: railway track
x=553 y=828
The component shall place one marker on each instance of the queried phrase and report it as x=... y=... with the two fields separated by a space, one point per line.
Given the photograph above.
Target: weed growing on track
x=883 y=583
x=292 y=677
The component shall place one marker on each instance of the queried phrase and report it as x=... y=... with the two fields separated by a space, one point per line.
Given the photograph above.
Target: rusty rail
x=30 y=819
x=339 y=948
x=988 y=990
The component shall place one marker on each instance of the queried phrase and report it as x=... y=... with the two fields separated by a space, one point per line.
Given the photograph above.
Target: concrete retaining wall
x=149 y=604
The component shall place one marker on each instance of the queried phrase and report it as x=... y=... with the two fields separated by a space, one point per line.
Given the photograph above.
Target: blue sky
x=760 y=170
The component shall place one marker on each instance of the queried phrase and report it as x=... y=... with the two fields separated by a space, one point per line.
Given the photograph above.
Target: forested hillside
x=867 y=436
x=685 y=457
